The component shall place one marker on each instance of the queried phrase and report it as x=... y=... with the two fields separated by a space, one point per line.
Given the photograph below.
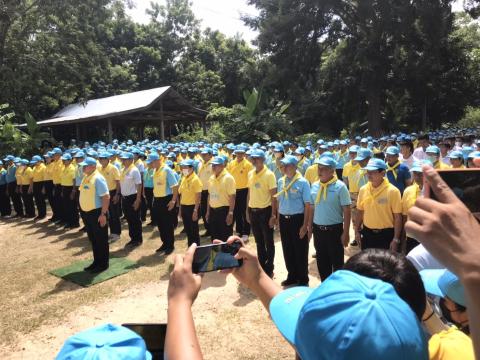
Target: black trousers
x=143 y=209
x=15 y=197
x=191 y=227
x=69 y=209
x=204 y=208
x=28 y=201
x=295 y=249
x=114 y=215
x=263 y=234
x=39 y=198
x=98 y=236
x=379 y=239
x=242 y=227
x=165 y=221
x=219 y=230
x=57 y=202
x=411 y=243
x=5 y=208
x=48 y=184
x=328 y=245
x=339 y=173
x=149 y=203
x=133 y=218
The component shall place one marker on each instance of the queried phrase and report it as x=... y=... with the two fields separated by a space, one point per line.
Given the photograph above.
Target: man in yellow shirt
x=48 y=178
x=204 y=174
x=379 y=215
x=25 y=178
x=262 y=209
x=57 y=170
x=67 y=181
x=456 y=159
x=239 y=169
x=112 y=175
x=190 y=191
x=39 y=186
x=221 y=201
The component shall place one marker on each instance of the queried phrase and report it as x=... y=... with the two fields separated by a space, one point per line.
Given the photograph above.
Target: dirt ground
x=39 y=310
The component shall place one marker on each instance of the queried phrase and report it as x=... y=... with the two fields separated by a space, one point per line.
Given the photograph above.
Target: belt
x=328 y=227
x=290 y=216
x=258 y=209
x=376 y=231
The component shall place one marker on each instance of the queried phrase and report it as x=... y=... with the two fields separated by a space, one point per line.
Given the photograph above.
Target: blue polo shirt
x=342 y=159
x=3 y=177
x=403 y=174
x=11 y=174
x=78 y=175
x=148 y=178
x=298 y=196
x=329 y=211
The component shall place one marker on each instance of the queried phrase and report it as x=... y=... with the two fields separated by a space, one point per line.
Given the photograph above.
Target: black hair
x=423 y=137
x=394 y=269
x=409 y=144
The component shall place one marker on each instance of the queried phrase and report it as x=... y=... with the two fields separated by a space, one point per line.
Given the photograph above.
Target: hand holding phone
x=216 y=256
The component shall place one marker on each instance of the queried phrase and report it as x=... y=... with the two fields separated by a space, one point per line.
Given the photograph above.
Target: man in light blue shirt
x=12 y=187
x=330 y=219
x=294 y=207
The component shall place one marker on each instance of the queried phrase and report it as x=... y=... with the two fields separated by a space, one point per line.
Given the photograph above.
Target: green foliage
x=11 y=138
x=471 y=119
x=215 y=134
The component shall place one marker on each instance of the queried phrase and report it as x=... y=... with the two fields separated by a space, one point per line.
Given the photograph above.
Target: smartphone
x=153 y=335
x=215 y=257
x=465 y=183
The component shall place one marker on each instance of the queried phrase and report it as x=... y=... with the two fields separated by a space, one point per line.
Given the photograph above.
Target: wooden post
x=162 y=122
x=204 y=127
x=110 y=131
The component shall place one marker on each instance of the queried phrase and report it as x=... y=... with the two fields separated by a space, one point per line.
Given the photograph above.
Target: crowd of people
x=375 y=303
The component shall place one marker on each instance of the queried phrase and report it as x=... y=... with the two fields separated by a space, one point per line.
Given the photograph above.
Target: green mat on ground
x=76 y=274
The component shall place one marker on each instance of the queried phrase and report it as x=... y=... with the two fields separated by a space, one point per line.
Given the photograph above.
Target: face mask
x=185 y=172
x=278 y=155
x=432 y=159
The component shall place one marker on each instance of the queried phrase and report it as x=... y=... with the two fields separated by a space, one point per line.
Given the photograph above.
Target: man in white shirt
x=131 y=190
x=423 y=141
x=406 y=149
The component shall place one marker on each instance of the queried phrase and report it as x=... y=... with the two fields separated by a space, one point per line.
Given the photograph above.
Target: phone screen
x=465 y=184
x=153 y=335
x=215 y=257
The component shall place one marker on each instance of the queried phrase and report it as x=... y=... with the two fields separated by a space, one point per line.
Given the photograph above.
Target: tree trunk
x=373 y=114
x=4 y=27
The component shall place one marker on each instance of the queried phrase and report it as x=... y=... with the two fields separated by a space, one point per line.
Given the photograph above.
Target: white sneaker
x=245 y=238
x=113 y=237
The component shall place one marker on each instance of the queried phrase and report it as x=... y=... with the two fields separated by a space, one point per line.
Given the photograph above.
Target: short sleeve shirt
x=408 y=198
x=111 y=174
x=239 y=171
x=68 y=175
x=129 y=180
x=329 y=211
x=92 y=189
x=148 y=178
x=189 y=188
x=403 y=174
x=260 y=186
x=164 y=180
x=311 y=174
x=221 y=188
x=39 y=172
x=293 y=201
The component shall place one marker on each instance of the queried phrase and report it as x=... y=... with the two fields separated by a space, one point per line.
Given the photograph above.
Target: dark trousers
x=191 y=227
x=5 y=208
x=114 y=215
x=242 y=227
x=133 y=218
x=149 y=203
x=219 y=230
x=376 y=238
x=295 y=249
x=57 y=202
x=39 y=198
x=98 y=236
x=16 y=198
x=164 y=221
x=204 y=208
x=28 y=201
x=48 y=185
x=328 y=245
x=339 y=173
x=69 y=209
x=143 y=209
x=263 y=234
x=411 y=243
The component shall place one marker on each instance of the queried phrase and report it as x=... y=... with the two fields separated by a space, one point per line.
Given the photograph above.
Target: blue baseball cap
x=326 y=161
x=351 y=316
x=88 y=161
x=278 y=148
x=474 y=155
x=152 y=157
x=417 y=165
x=126 y=155
x=443 y=283
x=300 y=151
x=240 y=149
x=66 y=157
x=392 y=150
x=289 y=160
x=104 y=342
x=363 y=154
x=376 y=164
x=455 y=155
x=79 y=154
x=205 y=151
x=104 y=155
x=258 y=154
x=353 y=149
x=433 y=149
x=187 y=162
x=57 y=151
x=24 y=162
x=217 y=160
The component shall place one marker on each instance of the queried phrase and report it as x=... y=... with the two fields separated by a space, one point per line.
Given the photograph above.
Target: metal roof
x=118 y=105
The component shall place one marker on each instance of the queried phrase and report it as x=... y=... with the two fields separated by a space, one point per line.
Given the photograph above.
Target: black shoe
x=17 y=216
x=169 y=251
x=68 y=226
x=353 y=243
x=90 y=267
x=84 y=229
x=182 y=231
x=133 y=244
x=52 y=219
x=99 y=269
x=151 y=223
x=161 y=249
x=30 y=216
x=39 y=218
x=303 y=284
x=288 y=282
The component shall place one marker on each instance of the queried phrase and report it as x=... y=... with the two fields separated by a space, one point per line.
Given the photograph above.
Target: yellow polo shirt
x=111 y=174
x=239 y=171
x=311 y=174
x=347 y=168
x=260 y=186
x=379 y=205
x=354 y=176
x=409 y=197
x=205 y=173
x=39 y=172
x=221 y=188
x=68 y=175
x=92 y=188
x=57 y=171
x=189 y=187
x=49 y=169
x=24 y=177
x=440 y=165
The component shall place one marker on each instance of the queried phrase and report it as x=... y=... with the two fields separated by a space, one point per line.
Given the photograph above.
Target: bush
x=471 y=119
